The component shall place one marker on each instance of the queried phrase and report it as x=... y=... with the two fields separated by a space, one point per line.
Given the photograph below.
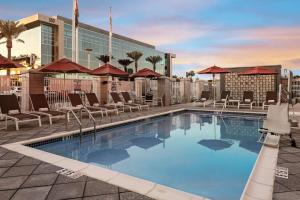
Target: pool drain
x=70 y=173
x=282 y=172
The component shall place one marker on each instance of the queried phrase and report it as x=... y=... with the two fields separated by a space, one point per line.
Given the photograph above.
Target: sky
x=202 y=33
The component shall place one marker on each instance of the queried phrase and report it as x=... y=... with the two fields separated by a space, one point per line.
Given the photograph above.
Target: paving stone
x=3 y=150
x=290 y=149
x=66 y=191
x=98 y=188
x=8 y=163
x=45 y=168
x=11 y=182
x=2 y=170
x=103 y=197
x=123 y=190
x=64 y=179
x=133 y=196
x=28 y=161
x=40 y=180
x=19 y=171
x=293 y=182
x=12 y=155
x=279 y=188
x=287 y=196
x=290 y=157
x=36 y=193
x=7 y=194
x=294 y=168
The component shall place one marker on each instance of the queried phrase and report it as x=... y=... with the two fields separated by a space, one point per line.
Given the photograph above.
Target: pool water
x=200 y=153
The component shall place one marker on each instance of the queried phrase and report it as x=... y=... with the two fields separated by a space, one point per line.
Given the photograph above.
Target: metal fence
x=57 y=90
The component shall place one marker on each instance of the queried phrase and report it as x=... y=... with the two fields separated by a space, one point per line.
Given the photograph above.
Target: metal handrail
x=78 y=121
x=91 y=117
x=224 y=105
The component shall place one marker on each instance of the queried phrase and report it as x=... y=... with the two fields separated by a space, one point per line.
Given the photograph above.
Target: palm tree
x=125 y=63
x=154 y=60
x=104 y=58
x=10 y=30
x=135 y=55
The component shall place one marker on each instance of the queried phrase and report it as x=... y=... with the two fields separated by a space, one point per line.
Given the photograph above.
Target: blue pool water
x=199 y=153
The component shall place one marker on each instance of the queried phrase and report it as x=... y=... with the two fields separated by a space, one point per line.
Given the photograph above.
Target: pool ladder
x=79 y=121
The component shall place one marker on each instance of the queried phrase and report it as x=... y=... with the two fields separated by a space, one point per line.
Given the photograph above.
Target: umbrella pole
x=214 y=87
x=64 y=93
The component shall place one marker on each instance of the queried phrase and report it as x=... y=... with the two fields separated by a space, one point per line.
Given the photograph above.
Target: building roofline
x=98 y=30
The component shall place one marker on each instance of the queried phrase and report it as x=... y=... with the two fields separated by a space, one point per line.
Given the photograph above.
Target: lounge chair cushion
x=247 y=100
x=13 y=112
x=203 y=99
x=271 y=101
x=120 y=103
x=43 y=109
x=223 y=100
x=96 y=104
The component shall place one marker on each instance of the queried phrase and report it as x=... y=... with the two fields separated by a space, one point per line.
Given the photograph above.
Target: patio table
x=234 y=101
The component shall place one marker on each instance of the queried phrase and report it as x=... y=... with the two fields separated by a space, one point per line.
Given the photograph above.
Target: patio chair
x=224 y=99
x=271 y=99
x=277 y=122
x=149 y=98
x=10 y=108
x=93 y=101
x=127 y=98
x=41 y=107
x=248 y=100
x=77 y=103
x=118 y=102
x=205 y=96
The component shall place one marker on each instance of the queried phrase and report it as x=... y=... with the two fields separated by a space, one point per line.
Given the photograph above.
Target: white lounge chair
x=277 y=121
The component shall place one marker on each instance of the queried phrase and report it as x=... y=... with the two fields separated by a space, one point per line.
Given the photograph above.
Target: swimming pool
x=196 y=152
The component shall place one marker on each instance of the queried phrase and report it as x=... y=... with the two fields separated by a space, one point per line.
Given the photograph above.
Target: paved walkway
x=22 y=177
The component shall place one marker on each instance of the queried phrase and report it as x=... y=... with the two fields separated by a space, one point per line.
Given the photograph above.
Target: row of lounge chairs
x=11 y=110
x=247 y=101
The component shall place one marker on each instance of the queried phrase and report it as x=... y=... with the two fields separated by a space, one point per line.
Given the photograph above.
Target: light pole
x=88 y=51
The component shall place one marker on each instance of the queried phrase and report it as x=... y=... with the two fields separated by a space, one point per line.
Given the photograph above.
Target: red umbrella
x=6 y=63
x=146 y=73
x=108 y=70
x=214 y=70
x=64 y=65
x=258 y=71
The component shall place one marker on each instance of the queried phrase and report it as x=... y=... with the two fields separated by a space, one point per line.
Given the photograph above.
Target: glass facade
x=47 y=42
x=98 y=42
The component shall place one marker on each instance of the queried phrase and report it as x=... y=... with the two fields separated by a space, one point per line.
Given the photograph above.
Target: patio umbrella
x=107 y=157
x=215 y=144
x=146 y=73
x=108 y=70
x=256 y=71
x=64 y=66
x=6 y=63
x=214 y=70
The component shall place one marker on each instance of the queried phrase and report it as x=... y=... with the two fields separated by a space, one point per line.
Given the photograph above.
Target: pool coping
x=259 y=184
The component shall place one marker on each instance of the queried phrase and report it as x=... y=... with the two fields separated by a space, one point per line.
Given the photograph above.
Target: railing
x=57 y=90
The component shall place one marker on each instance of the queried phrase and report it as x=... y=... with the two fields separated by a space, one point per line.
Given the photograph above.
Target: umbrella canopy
x=64 y=65
x=215 y=144
x=108 y=70
x=107 y=156
x=146 y=142
x=214 y=70
x=258 y=71
x=6 y=63
x=146 y=73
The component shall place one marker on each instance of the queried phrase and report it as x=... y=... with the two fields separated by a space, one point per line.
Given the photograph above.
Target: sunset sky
x=201 y=33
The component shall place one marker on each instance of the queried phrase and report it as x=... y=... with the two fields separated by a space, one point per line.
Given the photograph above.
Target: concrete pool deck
x=16 y=169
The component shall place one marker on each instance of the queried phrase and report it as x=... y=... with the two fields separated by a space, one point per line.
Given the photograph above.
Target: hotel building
x=50 y=38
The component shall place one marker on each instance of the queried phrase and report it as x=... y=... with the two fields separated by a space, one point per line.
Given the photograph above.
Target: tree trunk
x=154 y=67
x=9 y=46
x=136 y=66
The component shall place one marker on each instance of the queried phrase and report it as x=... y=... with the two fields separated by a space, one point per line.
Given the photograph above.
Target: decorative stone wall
x=260 y=84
